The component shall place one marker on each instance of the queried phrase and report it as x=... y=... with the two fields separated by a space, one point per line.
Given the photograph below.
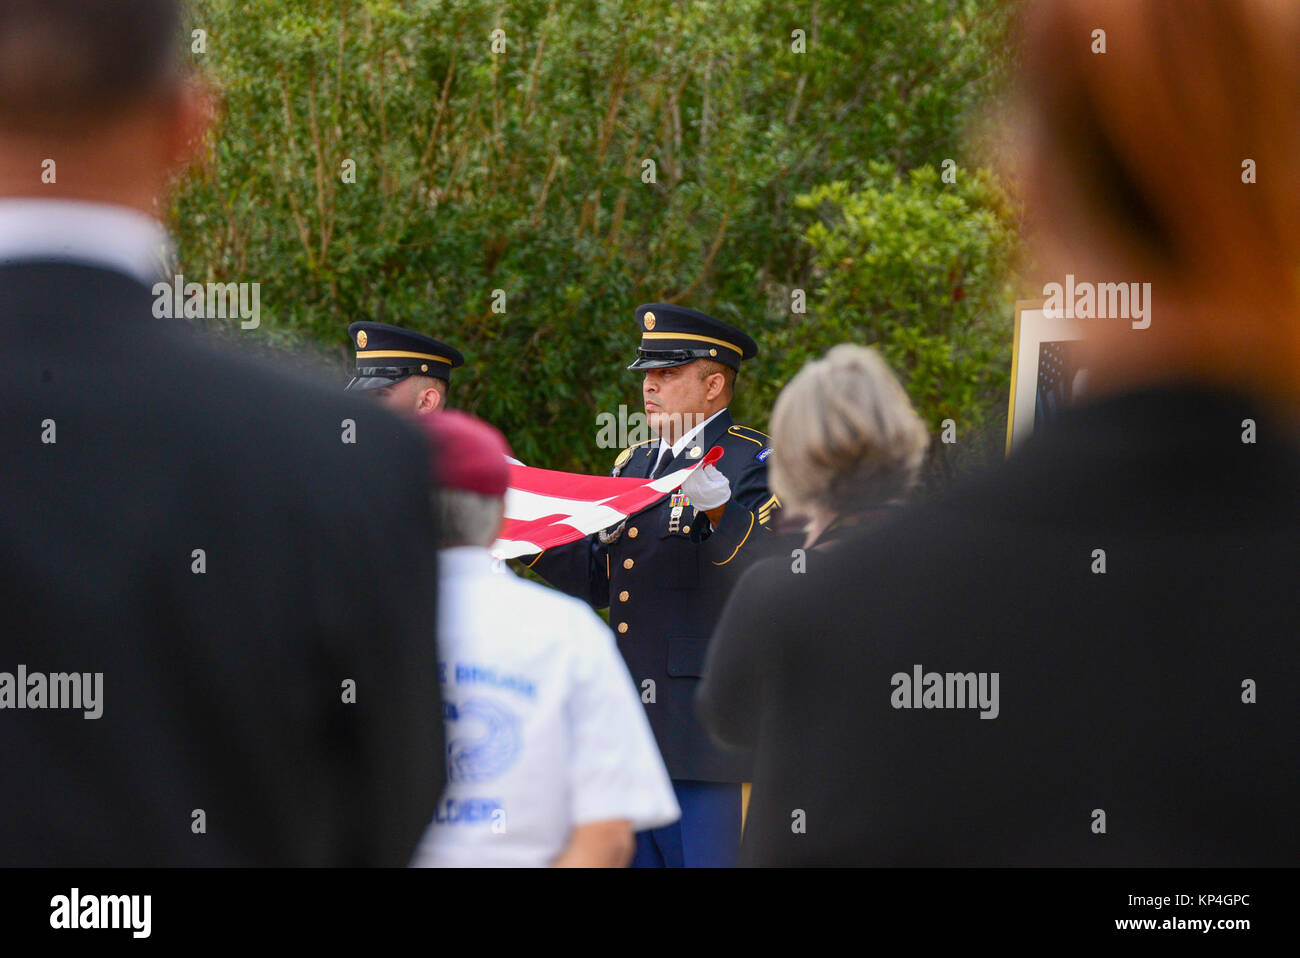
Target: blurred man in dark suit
x=1088 y=657
x=218 y=637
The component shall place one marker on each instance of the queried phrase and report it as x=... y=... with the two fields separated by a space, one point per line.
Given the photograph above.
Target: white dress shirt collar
x=464 y=560
x=685 y=440
x=92 y=234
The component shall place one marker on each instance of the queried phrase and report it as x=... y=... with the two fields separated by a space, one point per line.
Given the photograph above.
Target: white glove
x=707 y=488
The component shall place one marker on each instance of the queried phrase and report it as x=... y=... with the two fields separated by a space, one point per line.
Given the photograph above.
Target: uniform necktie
x=662 y=466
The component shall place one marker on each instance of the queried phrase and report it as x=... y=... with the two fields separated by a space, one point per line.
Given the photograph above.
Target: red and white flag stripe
x=545 y=508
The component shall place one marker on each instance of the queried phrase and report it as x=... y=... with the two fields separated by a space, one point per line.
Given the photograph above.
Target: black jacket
x=222 y=689
x=1120 y=693
x=665 y=589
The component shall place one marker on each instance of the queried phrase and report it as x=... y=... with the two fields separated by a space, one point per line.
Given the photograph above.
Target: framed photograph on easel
x=1045 y=371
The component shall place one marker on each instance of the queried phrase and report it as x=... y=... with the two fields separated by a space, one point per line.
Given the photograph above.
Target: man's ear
x=430 y=400
x=717 y=383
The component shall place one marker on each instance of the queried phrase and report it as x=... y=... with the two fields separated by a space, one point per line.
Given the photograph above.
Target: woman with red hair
x=1089 y=656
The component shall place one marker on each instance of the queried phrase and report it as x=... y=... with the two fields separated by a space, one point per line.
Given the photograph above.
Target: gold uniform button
x=622 y=596
x=686 y=528
x=632 y=533
x=628 y=563
x=622 y=627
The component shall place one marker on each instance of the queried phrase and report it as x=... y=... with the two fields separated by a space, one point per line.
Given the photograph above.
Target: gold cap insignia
x=649 y=320
x=424 y=367
x=362 y=339
x=713 y=352
x=695 y=452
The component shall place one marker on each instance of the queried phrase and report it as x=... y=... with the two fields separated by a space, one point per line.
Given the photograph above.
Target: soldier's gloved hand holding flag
x=708 y=488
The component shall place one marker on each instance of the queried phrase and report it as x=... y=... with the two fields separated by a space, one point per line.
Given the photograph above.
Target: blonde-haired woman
x=846 y=443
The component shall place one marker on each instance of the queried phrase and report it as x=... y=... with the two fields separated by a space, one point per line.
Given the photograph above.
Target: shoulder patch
x=763 y=453
x=753 y=435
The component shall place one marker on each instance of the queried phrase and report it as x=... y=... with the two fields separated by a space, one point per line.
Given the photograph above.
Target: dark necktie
x=662 y=466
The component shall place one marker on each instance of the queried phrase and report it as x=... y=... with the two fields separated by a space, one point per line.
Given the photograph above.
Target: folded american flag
x=545 y=508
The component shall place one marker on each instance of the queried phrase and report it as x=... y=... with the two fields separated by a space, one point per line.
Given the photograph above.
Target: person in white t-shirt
x=550 y=758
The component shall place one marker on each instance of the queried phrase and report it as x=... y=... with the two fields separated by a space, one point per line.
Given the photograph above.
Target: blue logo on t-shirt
x=483 y=740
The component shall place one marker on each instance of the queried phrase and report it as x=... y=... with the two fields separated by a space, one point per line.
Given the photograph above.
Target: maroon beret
x=467 y=453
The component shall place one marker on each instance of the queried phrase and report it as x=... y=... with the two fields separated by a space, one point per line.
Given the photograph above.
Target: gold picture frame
x=1027 y=402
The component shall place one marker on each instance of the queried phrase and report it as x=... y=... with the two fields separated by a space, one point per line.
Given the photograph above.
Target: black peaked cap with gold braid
x=674 y=335
x=388 y=354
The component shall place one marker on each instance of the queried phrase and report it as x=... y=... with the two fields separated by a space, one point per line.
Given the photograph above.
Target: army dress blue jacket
x=666 y=588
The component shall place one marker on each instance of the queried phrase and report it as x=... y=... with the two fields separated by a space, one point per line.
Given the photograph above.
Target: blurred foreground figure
x=550 y=758
x=214 y=644
x=1088 y=657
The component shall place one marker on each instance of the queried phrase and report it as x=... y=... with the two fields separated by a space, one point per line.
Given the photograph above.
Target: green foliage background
x=522 y=171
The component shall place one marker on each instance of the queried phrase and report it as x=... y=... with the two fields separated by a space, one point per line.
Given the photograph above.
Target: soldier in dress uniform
x=409 y=372
x=665 y=573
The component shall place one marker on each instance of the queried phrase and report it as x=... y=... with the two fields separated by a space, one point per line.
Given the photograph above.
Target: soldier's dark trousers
x=706 y=836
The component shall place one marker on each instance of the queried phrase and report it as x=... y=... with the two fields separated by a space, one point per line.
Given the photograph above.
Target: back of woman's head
x=844 y=435
x=1172 y=158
